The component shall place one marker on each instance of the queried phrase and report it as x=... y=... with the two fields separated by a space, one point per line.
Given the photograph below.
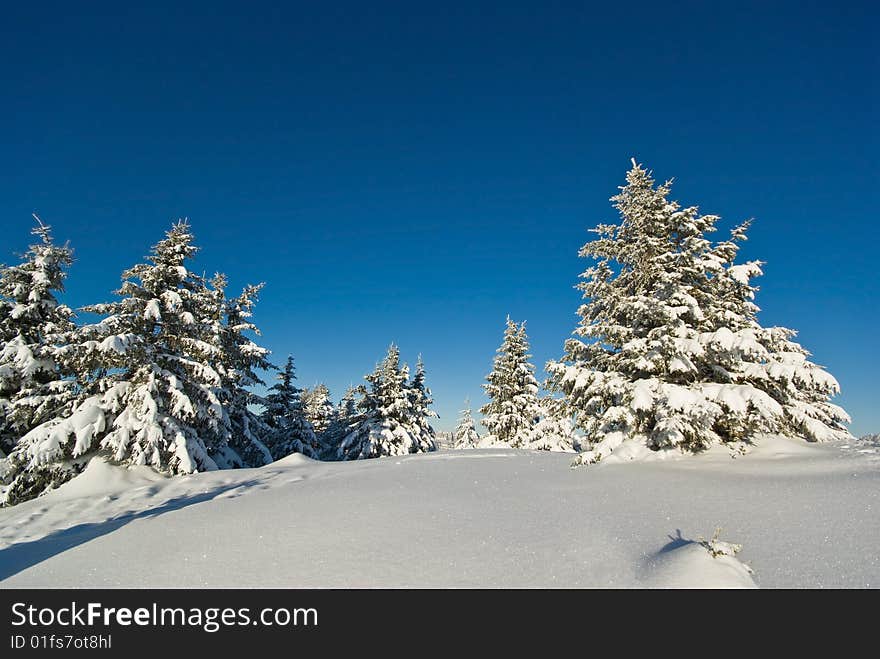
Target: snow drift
x=805 y=516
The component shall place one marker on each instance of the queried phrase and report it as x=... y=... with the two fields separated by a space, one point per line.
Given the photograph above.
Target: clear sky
x=414 y=172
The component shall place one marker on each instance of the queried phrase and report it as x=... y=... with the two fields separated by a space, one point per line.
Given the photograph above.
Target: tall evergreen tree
x=152 y=391
x=389 y=424
x=466 y=435
x=33 y=386
x=289 y=431
x=238 y=361
x=512 y=412
x=420 y=405
x=669 y=351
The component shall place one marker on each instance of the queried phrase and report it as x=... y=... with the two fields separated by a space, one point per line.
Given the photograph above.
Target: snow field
x=806 y=516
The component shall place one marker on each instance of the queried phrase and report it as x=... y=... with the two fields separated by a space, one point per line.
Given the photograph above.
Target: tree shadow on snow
x=675 y=541
x=22 y=555
x=650 y=562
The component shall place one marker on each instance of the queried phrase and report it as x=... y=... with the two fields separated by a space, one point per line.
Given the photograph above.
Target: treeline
x=165 y=378
x=668 y=355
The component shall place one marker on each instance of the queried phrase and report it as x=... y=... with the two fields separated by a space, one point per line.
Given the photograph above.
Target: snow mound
x=489 y=441
x=101 y=477
x=636 y=450
x=707 y=564
x=766 y=447
x=775 y=447
x=294 y=459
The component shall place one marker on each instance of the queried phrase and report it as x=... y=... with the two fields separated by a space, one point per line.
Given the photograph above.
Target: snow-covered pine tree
x=555 y=430
x=512 y=412
x=238 y=360
x=388 y=424
x=289 y=431
x=151 y=394
x=466 y=435
x=420 y=405
x=345 y=417
x=318 y=408
x=745 y=354
x=33 y=383
x=674 y=355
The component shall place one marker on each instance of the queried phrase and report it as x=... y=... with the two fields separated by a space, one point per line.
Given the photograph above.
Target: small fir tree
x=289 y=431
x=318 y=408
x=466 y=435
x=345 y=418
x=512 y=412
x=420 y=405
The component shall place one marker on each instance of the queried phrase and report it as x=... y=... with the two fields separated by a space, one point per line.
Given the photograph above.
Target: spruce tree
x=512 y=412
x=150 y=390
x=34 y=386
x=238 y=361
x=318 y=408
x=289 y=431
x=465 y=434
x=420 y=402
x=391 y=421
x=555 y=429
x=669 y=351
x=345 y=417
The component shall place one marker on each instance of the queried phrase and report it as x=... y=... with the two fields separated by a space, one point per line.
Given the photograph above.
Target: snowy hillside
x=805 y=515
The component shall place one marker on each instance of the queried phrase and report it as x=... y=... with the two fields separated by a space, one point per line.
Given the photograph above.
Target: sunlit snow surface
x=805 y=515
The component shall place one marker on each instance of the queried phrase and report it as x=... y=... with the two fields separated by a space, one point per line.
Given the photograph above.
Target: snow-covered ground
x=805 y=515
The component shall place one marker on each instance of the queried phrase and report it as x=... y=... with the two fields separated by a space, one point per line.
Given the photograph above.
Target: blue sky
x=414 y=172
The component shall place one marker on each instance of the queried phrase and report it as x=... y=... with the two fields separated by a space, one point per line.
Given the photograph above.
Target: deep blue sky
x=414 y=172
